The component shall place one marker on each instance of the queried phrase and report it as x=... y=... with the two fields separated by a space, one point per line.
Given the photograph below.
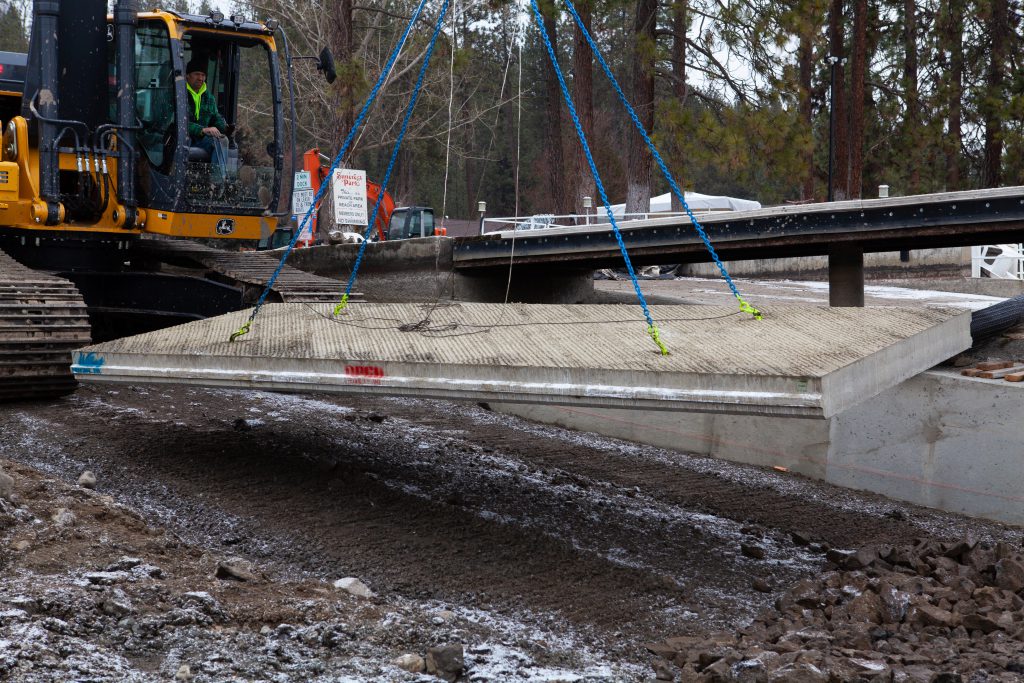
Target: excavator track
x=250 y=270
x=42 y=320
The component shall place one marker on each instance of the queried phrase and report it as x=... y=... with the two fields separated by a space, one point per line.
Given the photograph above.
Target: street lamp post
x=833 y=61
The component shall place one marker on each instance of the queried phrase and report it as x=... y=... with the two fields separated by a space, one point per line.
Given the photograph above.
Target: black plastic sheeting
x=992 y=320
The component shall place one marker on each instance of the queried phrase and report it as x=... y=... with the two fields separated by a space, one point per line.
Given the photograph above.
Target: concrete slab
x=798 y=361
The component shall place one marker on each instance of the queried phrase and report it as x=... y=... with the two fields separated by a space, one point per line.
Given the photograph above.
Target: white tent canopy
x=696 y=201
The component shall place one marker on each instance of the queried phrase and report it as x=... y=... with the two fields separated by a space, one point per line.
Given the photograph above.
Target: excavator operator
x=206 y=127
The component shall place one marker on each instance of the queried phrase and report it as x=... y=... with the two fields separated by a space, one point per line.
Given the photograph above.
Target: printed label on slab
x=364 y=374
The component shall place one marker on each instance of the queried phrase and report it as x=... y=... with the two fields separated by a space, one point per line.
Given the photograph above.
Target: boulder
x=929 y=615
x=411 y=663
x=755 y=552
x=446 y=662
x=63 y=518
x=87 y=480
x=7 y=487
x=354 y=586
x=977 y=622
x=801 y=672
x=1010 y=574
x=235 y=569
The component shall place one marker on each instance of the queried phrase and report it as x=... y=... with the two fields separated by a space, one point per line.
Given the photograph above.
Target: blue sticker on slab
x=88 y=364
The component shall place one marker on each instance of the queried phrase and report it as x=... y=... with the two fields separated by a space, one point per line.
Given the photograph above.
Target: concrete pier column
x=846 y=275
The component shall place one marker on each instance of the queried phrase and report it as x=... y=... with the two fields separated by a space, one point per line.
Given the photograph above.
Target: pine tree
x=13 y=36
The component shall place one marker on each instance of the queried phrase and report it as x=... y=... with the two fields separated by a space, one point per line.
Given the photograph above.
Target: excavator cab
x=238 y=173
x=133 y=161
x=412 y=222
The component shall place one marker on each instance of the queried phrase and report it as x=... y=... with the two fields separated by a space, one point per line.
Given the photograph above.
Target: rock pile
x=927 y=613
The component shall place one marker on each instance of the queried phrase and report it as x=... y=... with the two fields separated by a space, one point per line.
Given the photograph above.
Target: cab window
x=240 y=172
x=398 y=225
x=154 y=94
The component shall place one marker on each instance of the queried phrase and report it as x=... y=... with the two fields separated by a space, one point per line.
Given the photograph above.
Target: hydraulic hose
x=990 y=321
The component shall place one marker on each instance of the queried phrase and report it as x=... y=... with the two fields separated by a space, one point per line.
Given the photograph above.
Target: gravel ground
x=534 y=553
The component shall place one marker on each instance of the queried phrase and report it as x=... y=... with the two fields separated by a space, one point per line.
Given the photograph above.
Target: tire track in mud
x=346 y=511
x=455 y=504
x=788 y=503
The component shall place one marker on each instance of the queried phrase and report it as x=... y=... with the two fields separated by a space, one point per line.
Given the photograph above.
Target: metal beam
x=922 y=221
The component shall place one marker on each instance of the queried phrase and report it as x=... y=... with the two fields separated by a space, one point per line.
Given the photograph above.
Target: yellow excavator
x=101 y=174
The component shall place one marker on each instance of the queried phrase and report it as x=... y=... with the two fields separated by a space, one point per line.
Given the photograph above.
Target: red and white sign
x=348 y=192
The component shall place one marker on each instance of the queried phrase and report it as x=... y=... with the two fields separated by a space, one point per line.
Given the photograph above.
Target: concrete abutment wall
x=938 y=440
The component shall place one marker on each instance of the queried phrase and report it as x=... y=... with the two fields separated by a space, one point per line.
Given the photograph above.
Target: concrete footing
x=938 y=439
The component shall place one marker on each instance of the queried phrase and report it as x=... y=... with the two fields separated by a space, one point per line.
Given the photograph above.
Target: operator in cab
x=206 y=127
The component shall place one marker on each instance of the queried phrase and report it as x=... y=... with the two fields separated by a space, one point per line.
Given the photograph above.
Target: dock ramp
x=800 y=361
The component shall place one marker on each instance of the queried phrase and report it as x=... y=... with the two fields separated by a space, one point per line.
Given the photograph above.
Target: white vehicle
x=344 y=237
x=537 y=222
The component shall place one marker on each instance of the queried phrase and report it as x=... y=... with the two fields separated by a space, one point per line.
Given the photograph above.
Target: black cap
x=195 y=64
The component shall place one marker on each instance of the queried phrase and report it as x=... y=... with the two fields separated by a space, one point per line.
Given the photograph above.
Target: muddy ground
x=545 y=554
x=491 y=548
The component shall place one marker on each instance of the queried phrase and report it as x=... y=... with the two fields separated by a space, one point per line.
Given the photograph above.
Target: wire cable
x=744 y=306
x=244 y=329
x=652 y=329
x=451 y=98
x=394 y=157
x=428 y=328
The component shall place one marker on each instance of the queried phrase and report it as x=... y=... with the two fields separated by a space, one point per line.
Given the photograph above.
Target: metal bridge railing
x=543 y=221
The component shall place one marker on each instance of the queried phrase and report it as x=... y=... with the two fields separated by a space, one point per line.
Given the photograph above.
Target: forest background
x=926 y=96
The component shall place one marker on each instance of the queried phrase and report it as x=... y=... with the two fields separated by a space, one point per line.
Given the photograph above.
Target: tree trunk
x=469 y=177
x=680 y=24
x=553 y=122
x=513 y=131
x=805 y=62
x=638 y=180
x=405 y=184
x=583 y=95
x=912 y=122
x=841 y=136
x=954 y=39
x=858 y=77
x=996 y=93
x=343 y=46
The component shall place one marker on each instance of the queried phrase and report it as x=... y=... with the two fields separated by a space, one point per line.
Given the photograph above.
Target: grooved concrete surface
x=800 y=360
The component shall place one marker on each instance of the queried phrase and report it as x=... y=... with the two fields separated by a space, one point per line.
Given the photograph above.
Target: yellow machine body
x=22 y=208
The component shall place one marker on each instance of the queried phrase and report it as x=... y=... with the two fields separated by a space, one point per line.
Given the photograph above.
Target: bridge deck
x=947 y=219
x=798 y=361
